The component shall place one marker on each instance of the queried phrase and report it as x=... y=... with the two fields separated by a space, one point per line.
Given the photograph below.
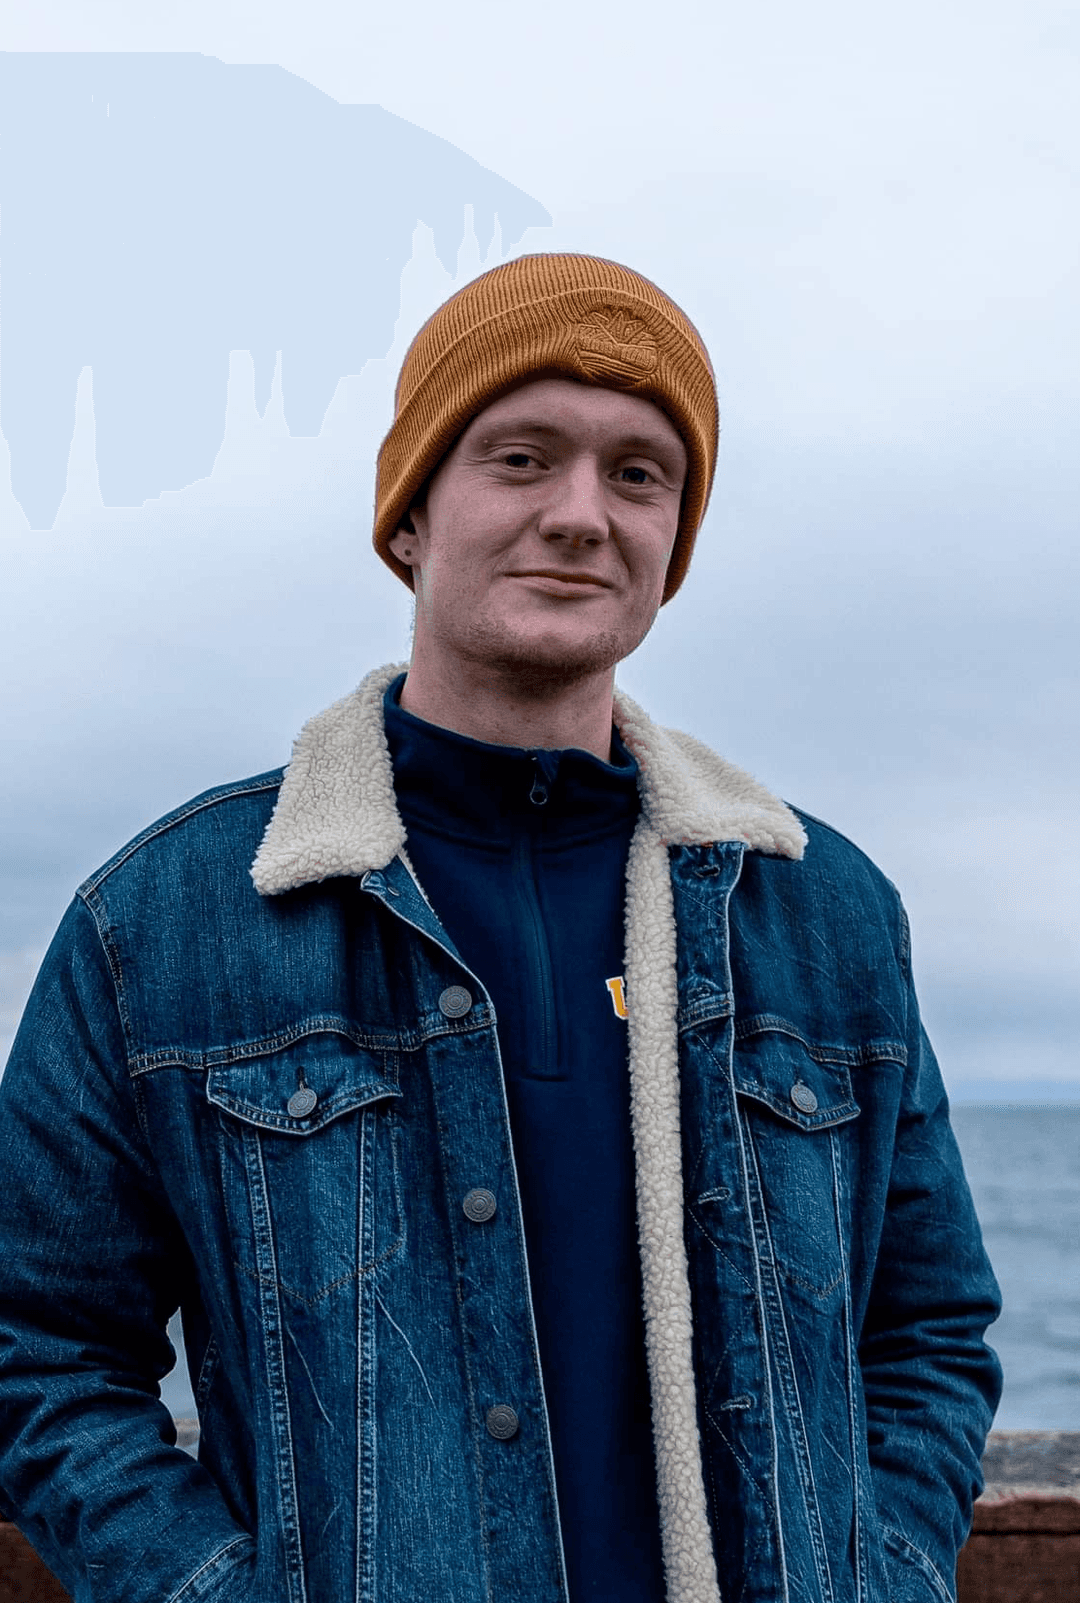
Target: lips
x=561 y=578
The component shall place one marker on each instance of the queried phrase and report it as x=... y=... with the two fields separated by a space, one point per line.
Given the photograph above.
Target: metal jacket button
x=455 y=1001
x=803 y=1098
x=479 y=1205
x=301 y=1103
x=502 y=1422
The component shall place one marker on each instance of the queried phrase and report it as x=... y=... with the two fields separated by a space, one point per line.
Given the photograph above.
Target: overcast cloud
x=873 y=220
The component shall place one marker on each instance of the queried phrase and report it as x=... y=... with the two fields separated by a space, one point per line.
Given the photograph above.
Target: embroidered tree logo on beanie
x=614 y=348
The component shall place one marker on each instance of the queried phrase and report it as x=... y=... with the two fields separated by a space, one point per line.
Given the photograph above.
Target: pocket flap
x=301 y=1087
x=781 y=1071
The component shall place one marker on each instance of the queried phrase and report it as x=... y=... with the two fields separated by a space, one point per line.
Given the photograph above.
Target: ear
x=405 y=544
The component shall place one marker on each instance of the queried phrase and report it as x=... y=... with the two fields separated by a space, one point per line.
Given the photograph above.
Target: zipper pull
x=544 y=776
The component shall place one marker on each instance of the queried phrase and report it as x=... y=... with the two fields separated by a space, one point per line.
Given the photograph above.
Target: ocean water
x=1023 y=1164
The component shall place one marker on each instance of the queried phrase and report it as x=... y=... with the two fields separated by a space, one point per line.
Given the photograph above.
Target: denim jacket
x=262 y=1093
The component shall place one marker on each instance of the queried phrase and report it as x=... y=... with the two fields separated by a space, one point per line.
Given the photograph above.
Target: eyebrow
x=627 y=442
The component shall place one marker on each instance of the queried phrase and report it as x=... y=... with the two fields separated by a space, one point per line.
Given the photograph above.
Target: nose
x=576 y=508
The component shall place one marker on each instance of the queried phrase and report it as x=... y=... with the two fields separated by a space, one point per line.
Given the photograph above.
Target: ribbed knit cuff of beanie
x=590 y=319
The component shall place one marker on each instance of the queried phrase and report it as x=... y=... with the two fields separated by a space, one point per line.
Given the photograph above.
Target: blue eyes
x=522 y=459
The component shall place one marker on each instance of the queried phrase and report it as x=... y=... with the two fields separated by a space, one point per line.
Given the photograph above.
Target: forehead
x=574 y=410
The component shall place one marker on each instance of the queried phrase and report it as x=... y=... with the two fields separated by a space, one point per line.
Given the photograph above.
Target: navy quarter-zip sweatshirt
x=523 y=856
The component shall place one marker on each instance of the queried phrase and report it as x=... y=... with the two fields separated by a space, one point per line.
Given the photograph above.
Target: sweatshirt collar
x=337 y=810
x=469 y=789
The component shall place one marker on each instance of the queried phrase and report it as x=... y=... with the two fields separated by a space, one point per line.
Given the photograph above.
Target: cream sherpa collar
x=336 y=812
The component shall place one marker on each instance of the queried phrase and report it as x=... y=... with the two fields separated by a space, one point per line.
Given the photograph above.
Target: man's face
x=542 y=546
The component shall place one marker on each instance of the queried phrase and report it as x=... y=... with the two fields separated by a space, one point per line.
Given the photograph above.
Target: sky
x=872 y=218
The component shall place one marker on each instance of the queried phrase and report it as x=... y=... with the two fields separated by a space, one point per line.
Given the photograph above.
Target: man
x=564 y=1206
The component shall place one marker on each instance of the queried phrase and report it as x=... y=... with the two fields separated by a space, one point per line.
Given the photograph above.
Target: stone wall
x=1025 y=1544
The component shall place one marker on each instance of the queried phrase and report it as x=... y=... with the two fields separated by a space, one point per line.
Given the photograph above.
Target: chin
x=543 y=663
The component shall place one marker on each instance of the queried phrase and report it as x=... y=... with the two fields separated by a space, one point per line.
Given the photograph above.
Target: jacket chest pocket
x=308 y=1141
x=794 y=1110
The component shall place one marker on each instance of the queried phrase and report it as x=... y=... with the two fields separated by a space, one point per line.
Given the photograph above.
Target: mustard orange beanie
x=579 y=315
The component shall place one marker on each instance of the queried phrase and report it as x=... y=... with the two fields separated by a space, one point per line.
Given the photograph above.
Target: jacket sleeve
x=91 y=1262
x=931 y=1383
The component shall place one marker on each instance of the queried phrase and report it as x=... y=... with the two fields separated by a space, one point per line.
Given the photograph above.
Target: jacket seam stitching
x=215 y=1558
x=103 y=929
x=762 y=1491
x=783 y=1358
x=162 y=827
x=742 y=1139
x=720 y=1252
x=208 y=1371
x=850 y=1375
x=226 y=1057
x=880 y=1051
x=901 y=1541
